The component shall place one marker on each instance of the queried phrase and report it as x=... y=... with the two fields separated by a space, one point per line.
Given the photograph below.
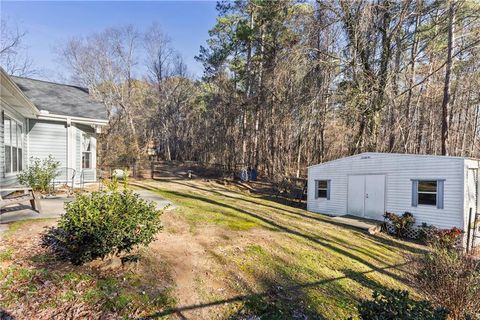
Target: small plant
x=440 y=238
x=103 y=223
x=397 y=305
x=401 y=223
x=452 y=279
x=39 y=173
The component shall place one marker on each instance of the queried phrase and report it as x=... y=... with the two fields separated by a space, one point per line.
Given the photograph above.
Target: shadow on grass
x=275 y=225
x=5 y=315
x=385 y=243
x=276 y=295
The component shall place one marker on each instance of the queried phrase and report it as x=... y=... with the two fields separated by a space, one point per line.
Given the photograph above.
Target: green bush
x=397 y=305
x=452 y=279
x=400 y=223
x=39 y=173
x=103 y=223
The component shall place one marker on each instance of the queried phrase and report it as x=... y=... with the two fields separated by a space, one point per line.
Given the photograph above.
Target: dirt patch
x=193 y=268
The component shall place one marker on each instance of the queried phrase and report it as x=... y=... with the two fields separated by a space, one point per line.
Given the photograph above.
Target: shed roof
x=61 y=99
x=368 y=154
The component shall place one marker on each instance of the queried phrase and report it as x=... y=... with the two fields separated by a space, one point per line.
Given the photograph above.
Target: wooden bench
x=27 y=195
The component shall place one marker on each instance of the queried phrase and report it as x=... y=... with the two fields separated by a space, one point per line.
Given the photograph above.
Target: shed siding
x=471 y=185
x=399 y=170
x=48 y=137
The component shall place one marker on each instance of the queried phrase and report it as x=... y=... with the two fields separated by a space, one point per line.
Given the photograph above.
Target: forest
x=288 y=84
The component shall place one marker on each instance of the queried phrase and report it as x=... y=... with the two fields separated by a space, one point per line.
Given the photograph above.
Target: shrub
x=397 y=305
x=103 y=223
x=452 y=279
x=441 y=238
x=39 y=173
x=400 y=223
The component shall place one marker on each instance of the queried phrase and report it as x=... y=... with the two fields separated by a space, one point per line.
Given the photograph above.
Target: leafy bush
x=39 y=173
x=400 y=223
x=452 y=279
x=103 y=223
x=397 y=305
x=441 y=238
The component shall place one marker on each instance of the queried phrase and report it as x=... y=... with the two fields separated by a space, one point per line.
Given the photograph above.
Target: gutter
x=58 y=117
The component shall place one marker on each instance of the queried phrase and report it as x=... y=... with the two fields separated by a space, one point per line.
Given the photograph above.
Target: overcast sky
x=51 y=23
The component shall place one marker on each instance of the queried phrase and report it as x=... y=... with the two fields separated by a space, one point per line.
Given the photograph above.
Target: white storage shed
x=437 y=190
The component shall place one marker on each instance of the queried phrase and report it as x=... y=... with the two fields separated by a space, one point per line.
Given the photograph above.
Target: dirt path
x=187 y=259
x=198 y=273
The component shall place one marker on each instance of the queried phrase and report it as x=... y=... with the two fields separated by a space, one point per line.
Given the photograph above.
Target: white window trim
x=92 y=166
x=317 y=188
x=427 y=192
x=7 y=114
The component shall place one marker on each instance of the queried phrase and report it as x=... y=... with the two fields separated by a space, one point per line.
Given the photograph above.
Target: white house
x=41 y=118
x=437 y=190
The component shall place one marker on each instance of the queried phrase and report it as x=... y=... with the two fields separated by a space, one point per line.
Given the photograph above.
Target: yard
x=223 y=253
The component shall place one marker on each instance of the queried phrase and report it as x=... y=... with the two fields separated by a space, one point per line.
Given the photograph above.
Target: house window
x=428 y=192
x=323 y=189
x=13 y=135
x=86 y=151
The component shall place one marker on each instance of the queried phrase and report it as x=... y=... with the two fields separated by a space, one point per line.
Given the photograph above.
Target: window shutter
x=414 y=193
x=440 y=185
x=316 y=189
x=328 y=189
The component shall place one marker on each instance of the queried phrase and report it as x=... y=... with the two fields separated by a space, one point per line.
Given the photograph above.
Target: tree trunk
x=448 y=71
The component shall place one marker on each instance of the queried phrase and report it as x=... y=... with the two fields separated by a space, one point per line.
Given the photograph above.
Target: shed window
x=13 y=135
x=323 y=189
x=428 y=192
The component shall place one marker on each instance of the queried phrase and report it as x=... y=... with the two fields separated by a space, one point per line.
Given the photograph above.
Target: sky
x=49 y=24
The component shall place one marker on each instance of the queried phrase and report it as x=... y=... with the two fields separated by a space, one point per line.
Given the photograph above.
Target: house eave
x=63 y=118
x=26 y=106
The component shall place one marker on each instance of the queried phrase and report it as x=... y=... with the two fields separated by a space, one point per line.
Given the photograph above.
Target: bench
x=27 y=195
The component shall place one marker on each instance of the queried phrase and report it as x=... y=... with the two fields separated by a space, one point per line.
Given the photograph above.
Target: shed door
x=356 y=195
x=374 y=196
x=366 y=196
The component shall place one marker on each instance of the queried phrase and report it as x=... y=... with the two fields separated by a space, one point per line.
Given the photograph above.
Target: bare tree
x=14 y=57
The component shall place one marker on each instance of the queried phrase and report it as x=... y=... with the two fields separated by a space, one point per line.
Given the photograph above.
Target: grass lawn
x=223 y=254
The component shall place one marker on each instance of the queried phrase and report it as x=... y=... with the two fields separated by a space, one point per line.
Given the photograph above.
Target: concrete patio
x=54 y=207
x=371 y=226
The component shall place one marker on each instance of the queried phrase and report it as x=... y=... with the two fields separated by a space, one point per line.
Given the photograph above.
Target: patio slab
x=53 y=208
x=371 y=226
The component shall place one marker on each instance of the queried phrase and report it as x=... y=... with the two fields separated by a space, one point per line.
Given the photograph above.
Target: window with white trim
x=427 y=192
x=86 y=151
x=322 y=189
x=13 y=136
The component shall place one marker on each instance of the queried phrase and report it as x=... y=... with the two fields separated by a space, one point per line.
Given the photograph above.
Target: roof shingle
x=61 y=99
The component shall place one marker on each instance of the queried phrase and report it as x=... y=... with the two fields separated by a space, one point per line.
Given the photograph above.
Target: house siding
x=2 y=152
x=48 y=138
x=398 y=170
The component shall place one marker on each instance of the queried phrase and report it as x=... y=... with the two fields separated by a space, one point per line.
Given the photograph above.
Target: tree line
x=288 y=84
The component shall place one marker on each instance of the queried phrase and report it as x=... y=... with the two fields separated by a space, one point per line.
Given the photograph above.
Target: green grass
x=280 y=262
x=323 y=269
x=199 y=211
x=6 y=255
